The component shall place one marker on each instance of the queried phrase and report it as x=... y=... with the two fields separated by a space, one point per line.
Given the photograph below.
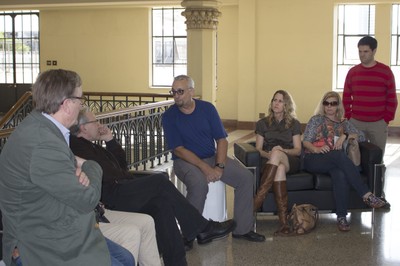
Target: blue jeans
x=119 y=255
x=18 y=261
x=343 y=173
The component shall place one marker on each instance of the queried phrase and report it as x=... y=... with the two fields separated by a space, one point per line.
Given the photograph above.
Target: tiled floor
x=366 y=243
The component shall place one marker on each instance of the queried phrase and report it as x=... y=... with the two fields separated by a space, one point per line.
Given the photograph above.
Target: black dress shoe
x=215 y=230
x=251 y=236
x=188 y=244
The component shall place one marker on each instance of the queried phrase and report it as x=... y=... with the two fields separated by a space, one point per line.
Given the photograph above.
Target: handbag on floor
x=303 y=218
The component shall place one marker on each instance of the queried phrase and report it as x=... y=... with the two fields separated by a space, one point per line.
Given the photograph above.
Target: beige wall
x=109 y=48
x=294 y=51
x=263 y=45
x=227 y=63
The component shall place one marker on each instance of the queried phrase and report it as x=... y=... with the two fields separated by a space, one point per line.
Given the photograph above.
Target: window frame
x=170 y=42
x=345 y=41
x=395 y=44
x=24 y=66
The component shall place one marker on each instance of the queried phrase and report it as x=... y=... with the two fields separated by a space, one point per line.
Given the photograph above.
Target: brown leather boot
x=281 y=200
x=267 y=179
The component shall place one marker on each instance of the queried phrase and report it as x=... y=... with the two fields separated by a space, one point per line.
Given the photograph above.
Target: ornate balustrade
x=98 y=102
x=140 y=132
x=104 y=101
x=17 y=112
x=137 y=127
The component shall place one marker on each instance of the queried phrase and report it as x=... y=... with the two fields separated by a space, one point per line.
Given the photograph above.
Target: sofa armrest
x=371 y=156
x=248 y=155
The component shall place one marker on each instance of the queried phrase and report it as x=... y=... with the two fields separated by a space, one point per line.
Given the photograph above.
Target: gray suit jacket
x=47 y=213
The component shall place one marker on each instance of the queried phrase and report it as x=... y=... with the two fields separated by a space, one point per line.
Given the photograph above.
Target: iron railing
x=138 y=127
x=98 y=102
x=139 y=130
x=17 y=112
x=104 y=101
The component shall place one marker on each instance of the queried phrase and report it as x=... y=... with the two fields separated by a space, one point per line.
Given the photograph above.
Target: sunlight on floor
x=392 y=153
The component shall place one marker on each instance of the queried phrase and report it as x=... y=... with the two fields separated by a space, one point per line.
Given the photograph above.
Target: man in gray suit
x=47 y=195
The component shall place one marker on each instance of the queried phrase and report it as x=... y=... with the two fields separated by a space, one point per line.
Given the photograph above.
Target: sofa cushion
x=323 y=182
x=300 y=181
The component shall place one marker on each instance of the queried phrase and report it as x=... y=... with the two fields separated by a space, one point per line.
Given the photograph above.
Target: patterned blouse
x=321 y=130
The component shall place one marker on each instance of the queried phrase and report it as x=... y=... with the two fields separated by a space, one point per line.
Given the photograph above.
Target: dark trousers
x=157 y=196
x=343 y=172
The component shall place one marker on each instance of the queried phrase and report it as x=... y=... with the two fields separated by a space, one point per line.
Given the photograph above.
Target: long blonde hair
x=320 y=110
x=289 y=113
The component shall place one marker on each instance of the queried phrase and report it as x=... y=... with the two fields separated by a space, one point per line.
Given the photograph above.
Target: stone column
x=201 y=22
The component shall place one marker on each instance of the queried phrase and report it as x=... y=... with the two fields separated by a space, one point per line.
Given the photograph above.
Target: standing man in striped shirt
x=369 y=95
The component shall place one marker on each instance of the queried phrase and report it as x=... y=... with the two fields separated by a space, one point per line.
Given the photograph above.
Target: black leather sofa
x=315 y=188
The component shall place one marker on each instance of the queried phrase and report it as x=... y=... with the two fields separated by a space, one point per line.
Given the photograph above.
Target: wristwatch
x=220 y=165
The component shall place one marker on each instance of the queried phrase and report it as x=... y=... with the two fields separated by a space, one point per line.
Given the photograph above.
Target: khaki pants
x=135 y=232
x=375 y=132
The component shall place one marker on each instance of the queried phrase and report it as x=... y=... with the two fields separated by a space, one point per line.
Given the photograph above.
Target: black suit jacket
x=111 y=159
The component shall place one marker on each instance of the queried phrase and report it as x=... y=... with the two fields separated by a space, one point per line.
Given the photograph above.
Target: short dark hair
x=52 y=87
x=368 y=40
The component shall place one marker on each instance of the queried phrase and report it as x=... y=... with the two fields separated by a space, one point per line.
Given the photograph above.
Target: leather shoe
x=250 y=236
x=342 y=224
x=215 y=230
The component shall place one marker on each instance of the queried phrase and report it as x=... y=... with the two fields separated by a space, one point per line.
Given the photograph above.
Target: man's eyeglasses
x=82 y=99
x=334 y=103
x=178 y=91
x=88 y=122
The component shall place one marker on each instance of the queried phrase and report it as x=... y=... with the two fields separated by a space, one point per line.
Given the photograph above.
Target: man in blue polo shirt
x=192 y=128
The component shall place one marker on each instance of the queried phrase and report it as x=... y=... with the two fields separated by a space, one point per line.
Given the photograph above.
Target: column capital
x=201 y=17
x=200 y=3
x=201 y=14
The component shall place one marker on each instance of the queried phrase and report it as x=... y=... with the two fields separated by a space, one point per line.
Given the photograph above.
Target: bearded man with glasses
x=194 y=132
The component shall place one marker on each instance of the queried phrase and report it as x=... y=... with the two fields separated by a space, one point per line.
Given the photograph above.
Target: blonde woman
x=279 y=143
x=323 y=140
